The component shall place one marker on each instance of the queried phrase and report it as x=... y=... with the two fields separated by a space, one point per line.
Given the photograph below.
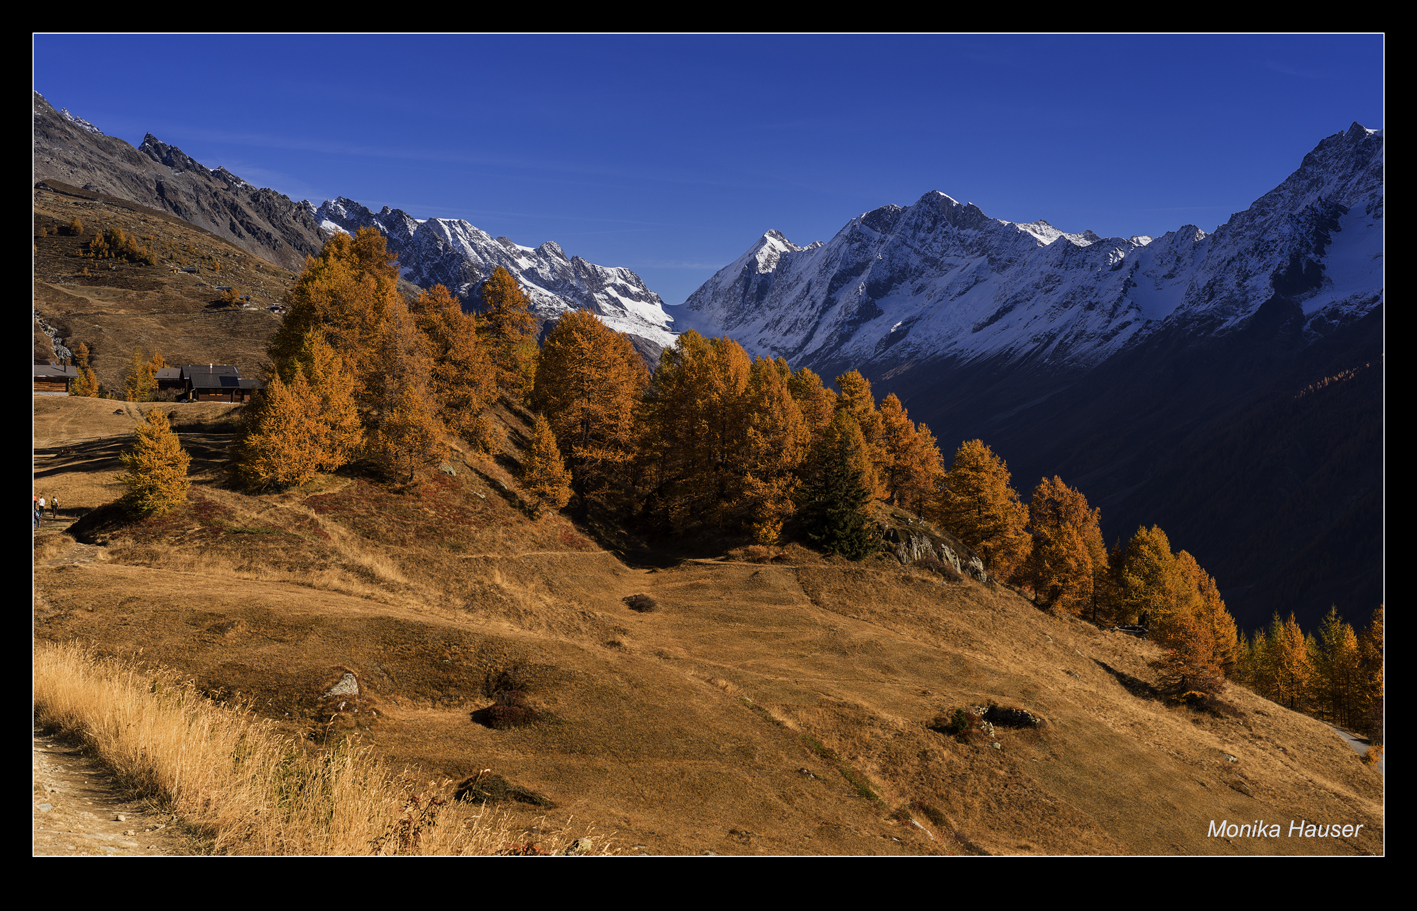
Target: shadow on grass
x=1134 y=685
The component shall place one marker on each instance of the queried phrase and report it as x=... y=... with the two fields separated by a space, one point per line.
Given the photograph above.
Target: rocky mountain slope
x=460 y=256
x=69 y=150
x=770 y=703
x=1111 y=361
x=942 y=279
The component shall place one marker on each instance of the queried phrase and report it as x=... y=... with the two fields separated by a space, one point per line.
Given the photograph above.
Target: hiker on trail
x=53 y=507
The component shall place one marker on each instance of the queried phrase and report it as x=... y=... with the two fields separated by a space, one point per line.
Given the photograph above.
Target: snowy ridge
x=79 y=122
x=940 y=278
x=461 y=256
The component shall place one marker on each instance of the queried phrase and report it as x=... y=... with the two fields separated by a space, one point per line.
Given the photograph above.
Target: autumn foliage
x=509 y=330
x=978 y=504
x=588 y=385
x=1067 y=565
x=544 y=476
x=359 y=372
x=717 y=441
x=157 y=468
x=307 y=424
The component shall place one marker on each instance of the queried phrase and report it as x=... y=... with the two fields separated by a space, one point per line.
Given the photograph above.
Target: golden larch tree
x=543 y=474
x=816 y=400
x=979 y=506
x=1371 y=687
x=1337 y=669
x=856 y=399
x=1068 y=558
x=464 y=380
x=157 y=468
x=1152 y=587
x=510 y=333
x=776 y=446
x=1290 y=669
x=140 y=379
x=279 y=448
x=589 y=380
x=345 y=294
x=301 y=424
x=693 y=431
x=405 y=432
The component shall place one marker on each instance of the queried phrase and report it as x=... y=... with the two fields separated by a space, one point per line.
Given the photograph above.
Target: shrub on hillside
x=510 y=710
x=507 y=688
x=962 y=725
x=642 y=604
x=157 y=469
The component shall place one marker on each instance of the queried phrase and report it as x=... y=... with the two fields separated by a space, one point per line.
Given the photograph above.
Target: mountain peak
x=171 y=156
x=967 y=286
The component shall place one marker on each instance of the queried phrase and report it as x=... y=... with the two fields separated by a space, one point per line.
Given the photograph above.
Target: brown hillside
x=779 y=707
x=114 y=306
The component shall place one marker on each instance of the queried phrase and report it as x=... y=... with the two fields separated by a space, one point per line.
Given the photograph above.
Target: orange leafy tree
x=140 y=380
x=302 y=425
x=345 y=294
x=979 y=506
x=694 y=429
x=405 y=432
x=588 y=385
x=913 y=464
x=1181 y=605
x=856 y=399
x=1068 y=560
x=776 y=445
x=543 y=475
x=464 y=380
x=157 y=468
x=510 y=332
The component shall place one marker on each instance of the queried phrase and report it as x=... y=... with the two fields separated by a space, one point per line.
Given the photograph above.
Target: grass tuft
x=642 y=604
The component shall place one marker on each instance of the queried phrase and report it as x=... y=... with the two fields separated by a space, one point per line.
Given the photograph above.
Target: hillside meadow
x=761 y=701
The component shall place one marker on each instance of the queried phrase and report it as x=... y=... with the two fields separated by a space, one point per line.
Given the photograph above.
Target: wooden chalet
x=217 y=383
x=170 y=378
x=52 y=380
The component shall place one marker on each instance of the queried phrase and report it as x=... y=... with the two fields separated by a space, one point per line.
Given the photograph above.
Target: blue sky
x=672 y=154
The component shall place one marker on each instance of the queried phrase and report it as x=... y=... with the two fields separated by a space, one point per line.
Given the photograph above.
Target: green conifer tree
x=834 y=492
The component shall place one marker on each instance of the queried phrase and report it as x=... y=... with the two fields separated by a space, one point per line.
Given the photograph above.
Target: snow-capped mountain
x=460 y=257
x=450 y=252
x=942 y=279
x=1160 y=376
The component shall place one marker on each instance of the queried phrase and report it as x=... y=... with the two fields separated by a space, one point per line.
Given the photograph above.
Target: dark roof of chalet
x=193 y=371
x=169 y=373
x=50 y=370
x=223 y=382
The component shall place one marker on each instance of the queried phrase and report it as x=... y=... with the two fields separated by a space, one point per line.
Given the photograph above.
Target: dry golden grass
x=233 y=778
x=777 y=707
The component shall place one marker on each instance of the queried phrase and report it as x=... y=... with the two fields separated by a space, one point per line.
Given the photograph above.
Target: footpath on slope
x=79 y=810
